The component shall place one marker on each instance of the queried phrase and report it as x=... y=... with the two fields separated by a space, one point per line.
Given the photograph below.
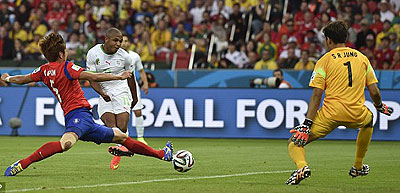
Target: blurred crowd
x=251 y=34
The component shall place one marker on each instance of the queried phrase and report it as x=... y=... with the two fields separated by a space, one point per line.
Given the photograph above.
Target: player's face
x=113 y=43
x=125 y=43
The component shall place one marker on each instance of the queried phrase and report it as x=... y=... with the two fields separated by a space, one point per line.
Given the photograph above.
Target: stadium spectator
x=237 y=58
x=377 y=24
x=253 y=58
x=218 y=29
x=361 y=36
x=369 y=44
x=267 y=29
x=396 y=60
x=18 y=54
x=32 y=50
x=385 y=32
x=55 y=27
x=180 y=38
x=384 y=53
x=161 y=38
x=196 y=12
x=386 y=13
x=145 y=48
x=266 y=63
x=304 y=63
x=394 y=43
x=57 y=14
x=22 y=14
x=219 y=8
x=36 y=28
x=6 y=45
x=267 y=44
x=18 y=32
x=236 y=18
x=143 y=12
x=6 y=13
x=290 y=61
x=279 y=74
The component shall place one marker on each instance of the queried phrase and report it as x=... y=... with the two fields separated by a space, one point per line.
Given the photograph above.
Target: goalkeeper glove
x=302 y=132
x=383 y=108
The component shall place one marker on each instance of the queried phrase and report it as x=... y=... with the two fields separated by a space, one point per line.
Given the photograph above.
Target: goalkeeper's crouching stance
x=343 y=79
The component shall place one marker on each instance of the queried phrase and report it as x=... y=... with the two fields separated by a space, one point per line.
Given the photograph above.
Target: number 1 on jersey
x=55 y=90
x=349 y=71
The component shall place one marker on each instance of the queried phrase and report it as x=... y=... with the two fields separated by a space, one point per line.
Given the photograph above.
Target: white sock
x=139 y=126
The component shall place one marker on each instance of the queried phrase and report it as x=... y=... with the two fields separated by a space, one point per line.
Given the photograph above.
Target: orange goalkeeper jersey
x=343 y=73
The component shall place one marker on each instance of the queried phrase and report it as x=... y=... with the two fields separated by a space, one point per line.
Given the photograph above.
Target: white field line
x=150 y=181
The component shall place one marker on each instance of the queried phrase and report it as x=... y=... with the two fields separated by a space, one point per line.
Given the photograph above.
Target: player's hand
x=145 y=88
x=125 y=75
x=302 y=133
x=106 y=97
x=383 y=108
x=4 y=76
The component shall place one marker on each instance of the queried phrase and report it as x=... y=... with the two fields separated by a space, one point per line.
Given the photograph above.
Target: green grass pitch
x=221 y=165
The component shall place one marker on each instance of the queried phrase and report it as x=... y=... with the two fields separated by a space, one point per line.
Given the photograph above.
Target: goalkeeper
x=343 y=74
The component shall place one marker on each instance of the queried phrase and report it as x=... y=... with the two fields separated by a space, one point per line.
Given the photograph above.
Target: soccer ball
x=182 y=161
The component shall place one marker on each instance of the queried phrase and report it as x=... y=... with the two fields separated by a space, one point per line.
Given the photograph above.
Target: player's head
x=113 y=40
x=125 y=42
x=278 y=74
x=335 y=33
x=53 y=47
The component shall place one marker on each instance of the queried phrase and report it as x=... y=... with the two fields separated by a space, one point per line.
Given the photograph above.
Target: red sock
x=47 y=150
x=142 y=149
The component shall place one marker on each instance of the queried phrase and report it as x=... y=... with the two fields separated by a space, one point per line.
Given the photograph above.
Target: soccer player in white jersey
x=117 y=97
x=137 y=109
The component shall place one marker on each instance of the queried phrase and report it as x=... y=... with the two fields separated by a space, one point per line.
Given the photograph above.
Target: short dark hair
x=278 y=70
x=51 y=45
x=336 y=31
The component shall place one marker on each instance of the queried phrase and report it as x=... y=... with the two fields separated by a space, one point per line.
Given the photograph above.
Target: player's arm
x=101 y=77
x=132 y=87
x=314 y=103
x=376 y=97
x=301 y=132
x=96 y=87
x=19 y=79
x=143 y=76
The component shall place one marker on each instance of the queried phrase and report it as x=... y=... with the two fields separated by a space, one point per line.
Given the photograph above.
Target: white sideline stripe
x=150 y=181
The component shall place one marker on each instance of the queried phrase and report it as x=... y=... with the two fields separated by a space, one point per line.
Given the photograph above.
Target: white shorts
x=118 y=104
x=139 y=105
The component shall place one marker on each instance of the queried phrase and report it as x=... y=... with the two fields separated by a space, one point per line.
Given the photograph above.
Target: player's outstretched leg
x=47 y=150
x=298 y=155
x=363 y=141
x=139 y=147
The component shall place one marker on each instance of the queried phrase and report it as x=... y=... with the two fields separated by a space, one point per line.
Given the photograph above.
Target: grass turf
x=87 y=164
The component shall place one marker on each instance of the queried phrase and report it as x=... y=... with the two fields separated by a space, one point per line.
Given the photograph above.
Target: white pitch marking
x=150 y=181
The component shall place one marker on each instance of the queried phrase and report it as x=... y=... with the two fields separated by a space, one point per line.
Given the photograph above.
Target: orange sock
x=298 y=155
x=363 y=140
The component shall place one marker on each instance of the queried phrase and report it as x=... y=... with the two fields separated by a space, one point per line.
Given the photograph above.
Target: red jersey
x=62 y=80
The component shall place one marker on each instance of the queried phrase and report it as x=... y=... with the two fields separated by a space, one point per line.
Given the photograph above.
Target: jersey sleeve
x=128 y=62
x=36 y=75
x=91 y=63
x=318 y=76
x=370 y=74
x=138 y=62
x=72 y=71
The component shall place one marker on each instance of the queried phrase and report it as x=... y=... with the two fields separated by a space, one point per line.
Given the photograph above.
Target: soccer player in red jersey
x=61 y=77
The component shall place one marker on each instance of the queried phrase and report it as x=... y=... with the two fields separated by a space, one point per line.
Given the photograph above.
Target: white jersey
x=136 y=61
x=100 y=62
x=137 y=64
